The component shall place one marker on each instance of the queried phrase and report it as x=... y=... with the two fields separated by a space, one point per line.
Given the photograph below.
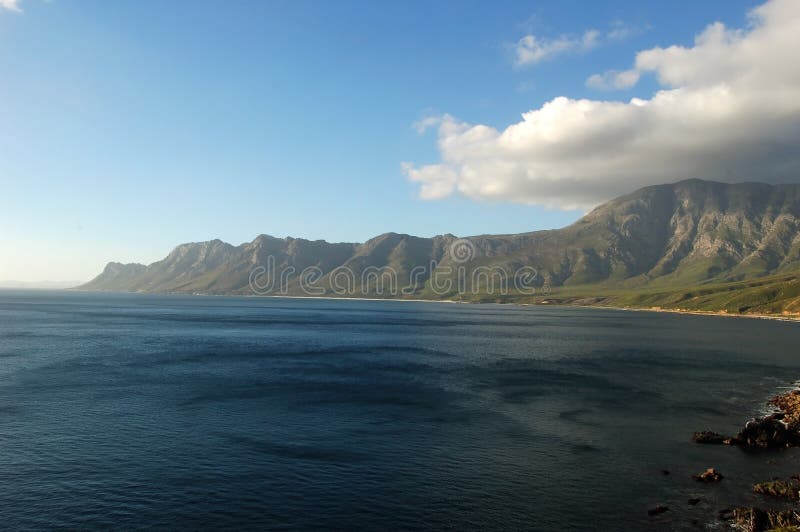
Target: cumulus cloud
x=728 y=109
x=11 y=5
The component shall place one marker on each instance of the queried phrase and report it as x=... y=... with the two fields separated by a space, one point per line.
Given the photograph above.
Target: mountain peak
x=677 y=234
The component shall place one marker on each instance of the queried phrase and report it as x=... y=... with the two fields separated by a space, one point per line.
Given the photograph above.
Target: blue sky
x=129 y=127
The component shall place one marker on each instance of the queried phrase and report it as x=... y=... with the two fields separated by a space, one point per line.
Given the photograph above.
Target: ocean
x=135 y=411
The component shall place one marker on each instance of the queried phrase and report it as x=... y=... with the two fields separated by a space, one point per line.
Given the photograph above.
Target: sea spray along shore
x=771 y=433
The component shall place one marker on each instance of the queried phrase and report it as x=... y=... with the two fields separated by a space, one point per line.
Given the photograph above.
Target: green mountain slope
x=643 y=249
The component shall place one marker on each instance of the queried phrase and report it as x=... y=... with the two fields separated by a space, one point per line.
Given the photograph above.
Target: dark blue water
x=134 y=411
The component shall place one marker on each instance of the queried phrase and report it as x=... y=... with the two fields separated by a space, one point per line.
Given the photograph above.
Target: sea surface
x=189 y=412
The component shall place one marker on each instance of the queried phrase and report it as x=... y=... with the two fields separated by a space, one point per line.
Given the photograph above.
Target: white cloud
x=11 y=5
x=531 y=49
x=426 y=123
x=620 y=31
x=614 y=79
x=729 y=110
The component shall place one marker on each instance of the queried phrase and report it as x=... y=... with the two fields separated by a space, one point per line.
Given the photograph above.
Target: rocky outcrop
x=789 y=405
x=706 y=436
x=758 y=520
x=768 y=432
x=709 y=475
x=782 y=489
x=775 y=431
x=781 y=429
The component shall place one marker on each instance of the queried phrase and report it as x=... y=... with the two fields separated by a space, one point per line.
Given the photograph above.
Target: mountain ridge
x=692 y=232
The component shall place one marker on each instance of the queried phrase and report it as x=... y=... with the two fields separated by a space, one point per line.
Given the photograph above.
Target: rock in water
x=709 y=475
x=768 y=432
x=750 y=519
x=781 y=429
x=785 y=489
x=706 y=436
x=660 y=509
x=758 y=520
x=789 y=405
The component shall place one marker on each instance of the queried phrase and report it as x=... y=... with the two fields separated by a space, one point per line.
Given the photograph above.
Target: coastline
x=719 y=313
x=775 y=317
x=774 y=505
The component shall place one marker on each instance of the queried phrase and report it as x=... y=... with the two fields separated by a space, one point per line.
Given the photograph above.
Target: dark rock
x=768 y=432
x=750 y=519
x=693 y=501
x=706 y=436
x=665 y=472
x=660 y=509
x=781 y=429
x=709 y=475
x=725 y=514
x=784 y=489
x=758 y=520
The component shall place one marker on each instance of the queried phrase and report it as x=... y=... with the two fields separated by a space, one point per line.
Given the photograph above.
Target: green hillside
x=693 y=245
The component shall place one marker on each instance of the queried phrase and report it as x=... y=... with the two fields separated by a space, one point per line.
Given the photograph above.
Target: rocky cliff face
x=695 y=231
x=668 y=235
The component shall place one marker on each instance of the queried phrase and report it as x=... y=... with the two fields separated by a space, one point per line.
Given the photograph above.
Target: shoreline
x=774 y=503
x=718 y=313
x=256 y=296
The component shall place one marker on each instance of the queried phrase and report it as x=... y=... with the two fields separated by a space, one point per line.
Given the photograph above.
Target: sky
x=129 y=127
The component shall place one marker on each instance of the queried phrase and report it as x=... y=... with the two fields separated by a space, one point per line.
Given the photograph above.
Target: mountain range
x=693 y=244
